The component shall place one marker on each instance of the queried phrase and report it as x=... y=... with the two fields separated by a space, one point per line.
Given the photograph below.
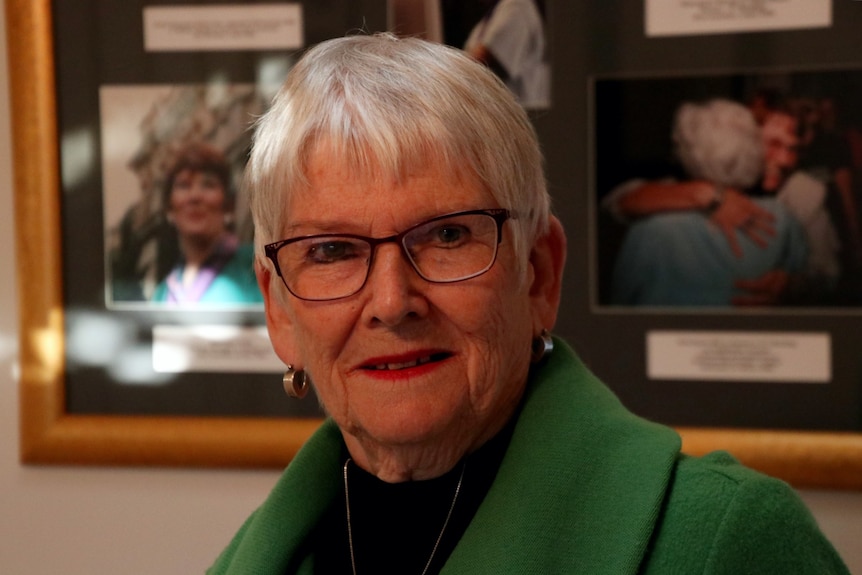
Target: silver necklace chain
x=439 y=537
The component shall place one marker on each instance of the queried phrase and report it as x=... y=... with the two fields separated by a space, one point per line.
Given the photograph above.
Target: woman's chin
x=407 y=428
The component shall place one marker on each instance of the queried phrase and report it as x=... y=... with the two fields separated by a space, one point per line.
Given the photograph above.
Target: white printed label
x=213 y=348
x=676 y=17
x=739 y=356
x=223 y=28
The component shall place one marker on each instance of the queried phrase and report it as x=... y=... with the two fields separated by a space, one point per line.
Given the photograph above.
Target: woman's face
x=407 y=366
x=197 y=204
x=781 y=149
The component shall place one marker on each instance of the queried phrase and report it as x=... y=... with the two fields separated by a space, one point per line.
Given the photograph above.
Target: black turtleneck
x=395 y=525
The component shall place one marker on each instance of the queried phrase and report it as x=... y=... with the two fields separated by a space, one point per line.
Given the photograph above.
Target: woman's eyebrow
x=308 y=227
x=321 y=226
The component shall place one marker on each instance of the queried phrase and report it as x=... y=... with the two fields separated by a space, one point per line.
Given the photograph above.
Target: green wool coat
x=585 y=487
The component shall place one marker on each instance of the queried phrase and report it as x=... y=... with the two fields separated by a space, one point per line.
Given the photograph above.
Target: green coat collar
x=579 y=490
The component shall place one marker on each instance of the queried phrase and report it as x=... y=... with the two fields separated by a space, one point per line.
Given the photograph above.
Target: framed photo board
x=107 y=99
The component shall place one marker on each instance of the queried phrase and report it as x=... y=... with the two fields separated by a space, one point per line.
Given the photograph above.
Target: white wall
x=94 y=521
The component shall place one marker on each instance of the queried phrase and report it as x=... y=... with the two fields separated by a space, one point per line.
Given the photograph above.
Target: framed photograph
x=768 y=372
x=172 y=163
x=695 y=212
x=511 y=38
x=122 y=112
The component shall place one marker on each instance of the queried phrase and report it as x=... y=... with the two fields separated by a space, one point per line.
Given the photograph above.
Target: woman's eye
x=331 y=252
x=451 y=234
x=211 y=184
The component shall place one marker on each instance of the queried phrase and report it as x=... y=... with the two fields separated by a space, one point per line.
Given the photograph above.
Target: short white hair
x=719 y=141
x=383 y=105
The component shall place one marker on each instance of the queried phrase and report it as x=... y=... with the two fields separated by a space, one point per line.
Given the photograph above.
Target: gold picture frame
x=50 y=435
x=802 y=458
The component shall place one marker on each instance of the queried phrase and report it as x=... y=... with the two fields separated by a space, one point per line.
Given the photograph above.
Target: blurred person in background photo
x=510 y=39
x=681 y=256
x=214 y=267
x=737 y=215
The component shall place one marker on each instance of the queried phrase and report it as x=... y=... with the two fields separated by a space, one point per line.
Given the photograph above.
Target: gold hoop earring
x=295 y=382
x=542 y=346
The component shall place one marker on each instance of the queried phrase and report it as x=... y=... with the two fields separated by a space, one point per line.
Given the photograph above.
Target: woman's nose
x=196 y=191
x=393 y=289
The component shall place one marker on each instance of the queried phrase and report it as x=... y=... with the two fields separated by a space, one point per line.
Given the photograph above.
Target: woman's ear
x=547 y=260
x=278 y=321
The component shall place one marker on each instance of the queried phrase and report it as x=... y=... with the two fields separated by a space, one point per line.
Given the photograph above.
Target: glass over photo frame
x=78 y=411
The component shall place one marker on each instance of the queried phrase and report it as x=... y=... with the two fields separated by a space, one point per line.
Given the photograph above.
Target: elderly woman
x=199 y=204
x=411 y=270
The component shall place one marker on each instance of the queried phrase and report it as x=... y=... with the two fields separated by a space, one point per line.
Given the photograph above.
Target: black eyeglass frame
x=499 y=215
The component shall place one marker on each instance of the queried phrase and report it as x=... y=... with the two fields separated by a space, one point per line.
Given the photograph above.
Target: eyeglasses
x=446 y=249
